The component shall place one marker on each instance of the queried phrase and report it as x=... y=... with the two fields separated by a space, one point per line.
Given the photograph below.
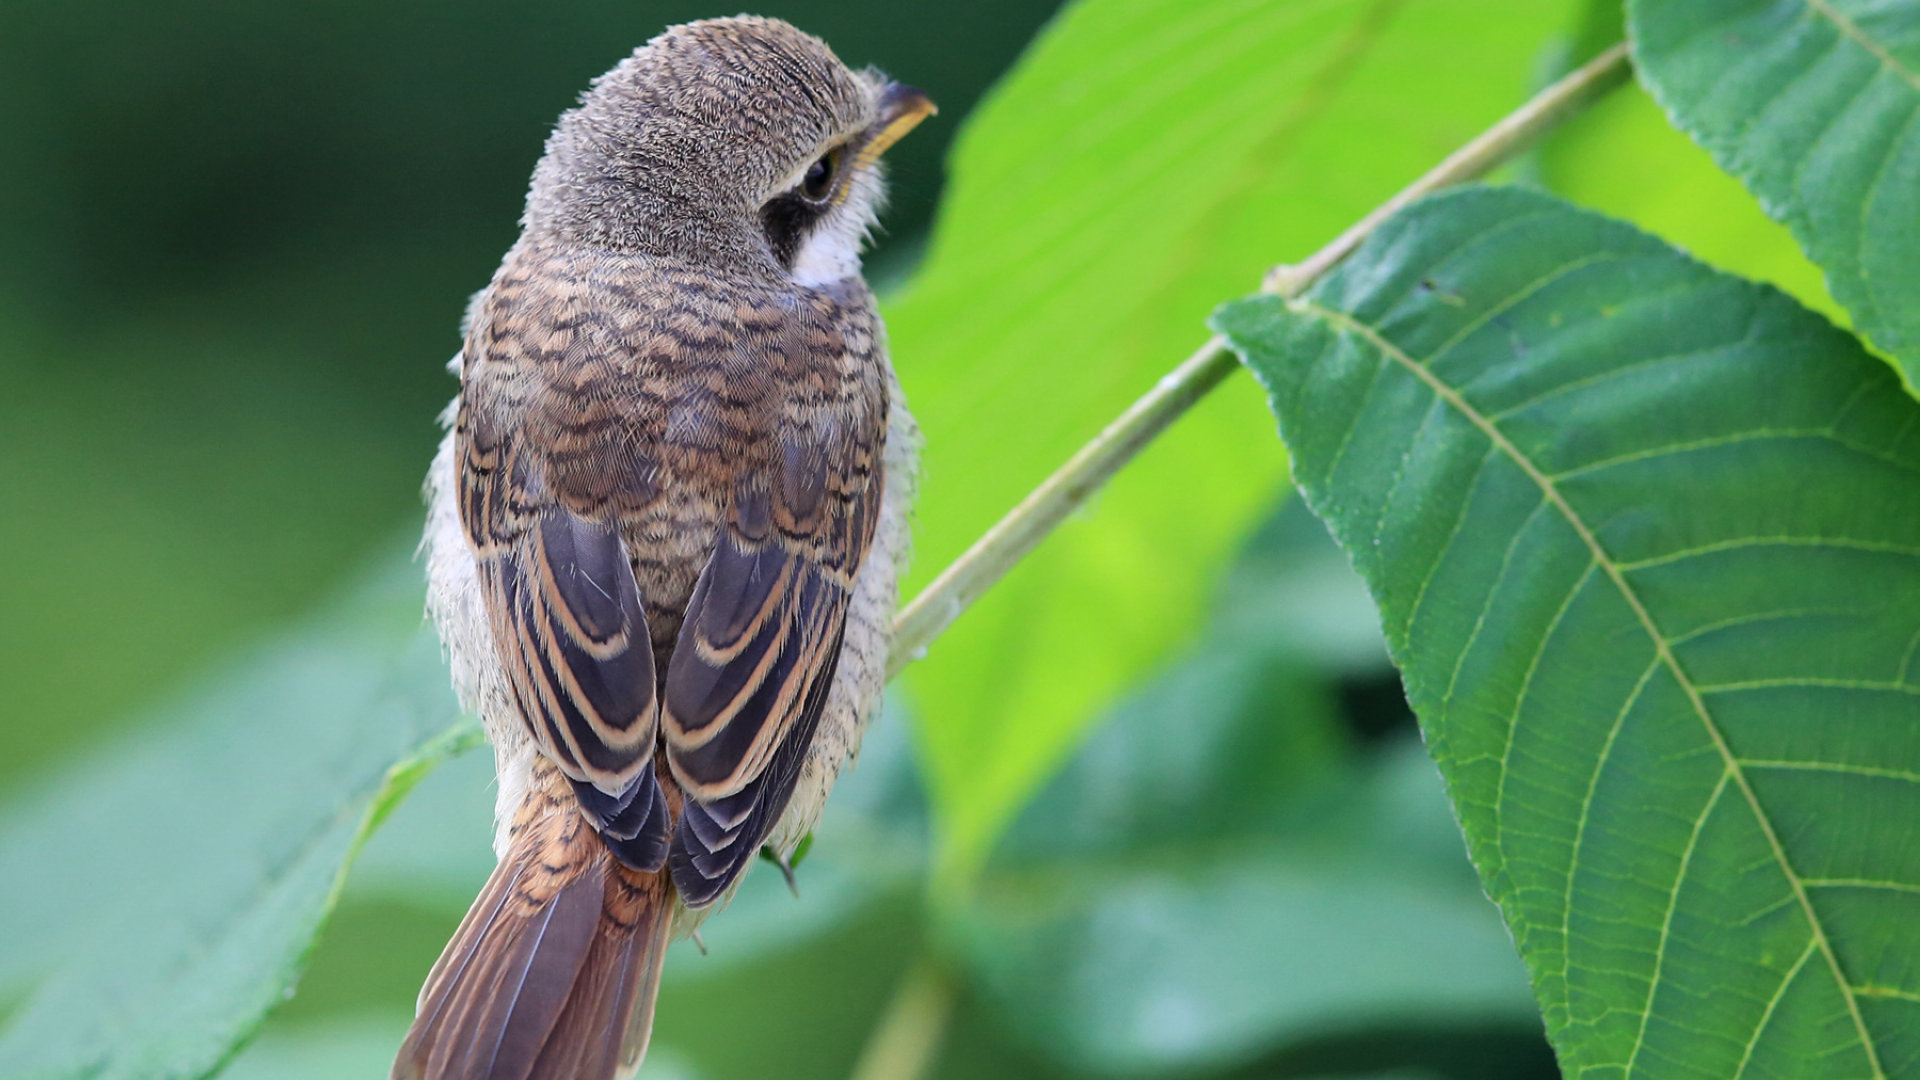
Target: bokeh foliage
x=1161 y=812
x=242 y=811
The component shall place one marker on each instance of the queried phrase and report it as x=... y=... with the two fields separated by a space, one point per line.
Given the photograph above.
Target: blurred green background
x=235 y=242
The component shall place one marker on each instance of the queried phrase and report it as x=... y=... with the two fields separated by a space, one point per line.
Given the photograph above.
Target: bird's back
x=651 y=388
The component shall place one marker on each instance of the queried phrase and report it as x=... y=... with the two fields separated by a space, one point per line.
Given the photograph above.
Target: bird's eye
x=818 y=181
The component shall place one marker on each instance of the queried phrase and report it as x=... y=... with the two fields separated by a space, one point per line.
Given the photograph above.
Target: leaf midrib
x=1860 y=37
x=1730 y=763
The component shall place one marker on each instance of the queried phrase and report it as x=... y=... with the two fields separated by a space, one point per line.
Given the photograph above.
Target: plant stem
x=1492 y=148
x=909 y=1034
x=1023 y=527
x=1042 y=511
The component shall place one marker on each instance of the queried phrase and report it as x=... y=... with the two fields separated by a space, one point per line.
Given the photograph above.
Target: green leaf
x=1812 y=104
x=1622 y=158
x=334 y=1050
x=1215 y=876
x=1212 y=956
x=1146 y=158
x=174 y=885
x=361 y=1048
x=1644 y=543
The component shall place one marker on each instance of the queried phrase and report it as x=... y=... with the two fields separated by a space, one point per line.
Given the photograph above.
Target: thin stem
x=1492 y=148
x=909 y=1033
x=1023 y=527
x=1042 y=511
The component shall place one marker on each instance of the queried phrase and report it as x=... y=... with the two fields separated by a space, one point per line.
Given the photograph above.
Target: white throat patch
x=829 y=254
x=832 y=251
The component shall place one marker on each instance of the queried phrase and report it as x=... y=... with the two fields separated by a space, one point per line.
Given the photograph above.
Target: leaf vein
x=1526 y=685
x=1446 y=546
x=1839 y=543
x=1575 y=385
x=1773 y=1003
x=1792 y=682
x=1865 y=883
x=1844 y=767
x=1586 y=813
x=1879 y=178
x=1906 y=659
x=1751 y=618
x=1734 y=439
x=1673 y=903
x=1718 y=738
x=1875 y=49
x=1498 y=310
x=1894 y=993
x=1829 y=123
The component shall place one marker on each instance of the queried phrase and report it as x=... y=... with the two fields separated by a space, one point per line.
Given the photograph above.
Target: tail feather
x=454 y=960
x=638 y=1009
x=552 y=974
x=616 y=990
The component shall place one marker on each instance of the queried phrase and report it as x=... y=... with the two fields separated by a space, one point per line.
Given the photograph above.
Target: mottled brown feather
x=744 y=497
x=667 y=463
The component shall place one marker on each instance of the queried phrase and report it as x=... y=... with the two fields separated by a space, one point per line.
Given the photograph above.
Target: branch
x=1042 y=511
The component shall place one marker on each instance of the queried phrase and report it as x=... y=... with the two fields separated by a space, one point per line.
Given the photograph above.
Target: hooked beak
x=902 y=108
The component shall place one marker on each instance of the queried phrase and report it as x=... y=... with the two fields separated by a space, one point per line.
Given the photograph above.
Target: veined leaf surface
x=1646 y=543
x=1813 y=104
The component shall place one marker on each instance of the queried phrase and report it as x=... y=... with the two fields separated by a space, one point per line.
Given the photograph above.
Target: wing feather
x=573 y=638
x=715 y=841
x=758 y=649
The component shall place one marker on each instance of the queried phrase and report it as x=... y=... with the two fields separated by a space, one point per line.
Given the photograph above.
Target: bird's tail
x=552 y=974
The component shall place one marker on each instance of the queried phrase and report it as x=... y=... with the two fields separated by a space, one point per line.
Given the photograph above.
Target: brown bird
x=665 y=529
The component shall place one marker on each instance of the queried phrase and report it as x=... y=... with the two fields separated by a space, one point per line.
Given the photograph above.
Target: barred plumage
x=666 y=528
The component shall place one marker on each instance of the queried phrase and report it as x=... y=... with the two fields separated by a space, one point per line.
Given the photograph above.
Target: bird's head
x=742 y=142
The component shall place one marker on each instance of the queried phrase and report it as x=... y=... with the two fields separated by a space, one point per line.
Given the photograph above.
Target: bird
x=665 y=528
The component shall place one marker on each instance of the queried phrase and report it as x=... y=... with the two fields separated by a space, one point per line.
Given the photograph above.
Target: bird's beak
x=902 y=108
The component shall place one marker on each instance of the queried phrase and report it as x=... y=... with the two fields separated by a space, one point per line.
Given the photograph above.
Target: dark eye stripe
x=787 y=219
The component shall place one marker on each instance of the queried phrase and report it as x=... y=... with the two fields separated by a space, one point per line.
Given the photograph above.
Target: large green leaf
x=1147 y=158
x=162 y=897
x=1215 y=875
x=1621 y=157
x=1811 y=103
x=1645 y=542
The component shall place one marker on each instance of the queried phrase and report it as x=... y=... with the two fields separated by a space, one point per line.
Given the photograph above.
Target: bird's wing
x=750 y=672
x=572 y=635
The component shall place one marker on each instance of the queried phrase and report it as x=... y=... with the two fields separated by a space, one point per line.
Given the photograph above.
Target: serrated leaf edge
x=1732 y=766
